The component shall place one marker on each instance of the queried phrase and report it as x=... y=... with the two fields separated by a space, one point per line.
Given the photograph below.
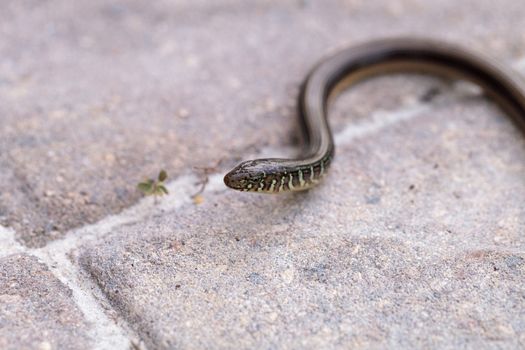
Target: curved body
x=352 y=65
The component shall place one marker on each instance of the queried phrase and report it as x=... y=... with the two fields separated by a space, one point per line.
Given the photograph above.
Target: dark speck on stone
x=514 y=261
x=50 y=226
x=430 y=94
x=374 y=194
x=373 y=199
x=121 y=193
x=27 y=141
x=255 y=278
x=317 y=273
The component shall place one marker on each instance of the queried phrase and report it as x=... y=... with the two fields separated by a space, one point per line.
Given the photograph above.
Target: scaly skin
x=355 y=64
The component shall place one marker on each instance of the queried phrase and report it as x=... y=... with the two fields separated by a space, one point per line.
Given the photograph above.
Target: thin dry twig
x=204 y=174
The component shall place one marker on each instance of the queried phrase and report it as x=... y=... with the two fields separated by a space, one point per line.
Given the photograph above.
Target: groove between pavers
x=107 y=333
x=8 y=243
x=114 y=333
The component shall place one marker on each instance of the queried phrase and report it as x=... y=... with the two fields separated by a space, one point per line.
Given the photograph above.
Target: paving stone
x=36 y=309
x=92 y=103
x=415 y=240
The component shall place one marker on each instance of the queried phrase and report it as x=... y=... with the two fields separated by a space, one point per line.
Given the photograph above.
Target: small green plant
x=154 y=188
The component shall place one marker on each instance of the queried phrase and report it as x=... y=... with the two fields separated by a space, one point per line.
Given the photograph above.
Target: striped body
x=299 y=179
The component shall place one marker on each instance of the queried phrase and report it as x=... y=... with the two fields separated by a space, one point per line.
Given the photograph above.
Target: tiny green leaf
x=163 y=189
x=163 y=175
x=154 y=188
x=145 y=187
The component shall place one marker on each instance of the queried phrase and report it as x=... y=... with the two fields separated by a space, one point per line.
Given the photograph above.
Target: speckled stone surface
x=92 y=104
x=414 y=241
x=36 y=310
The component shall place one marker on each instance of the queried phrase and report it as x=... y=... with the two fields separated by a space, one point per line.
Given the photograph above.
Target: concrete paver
x=36 y=309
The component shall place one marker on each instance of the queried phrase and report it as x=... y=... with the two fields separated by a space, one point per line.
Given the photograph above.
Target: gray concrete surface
x=36 y=310
x=413 y=253
x=415 y=239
